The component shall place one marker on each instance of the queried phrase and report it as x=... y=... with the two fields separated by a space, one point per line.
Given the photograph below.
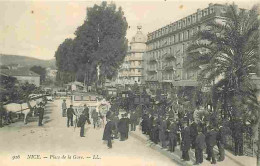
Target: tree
x=230 y=52
x=101 y=41
x=227 y=53
x=66 y=62
x=41 y=71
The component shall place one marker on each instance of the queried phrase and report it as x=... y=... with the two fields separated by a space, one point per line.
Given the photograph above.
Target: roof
x=19 y=72
x=76 y=83
x=139 y=36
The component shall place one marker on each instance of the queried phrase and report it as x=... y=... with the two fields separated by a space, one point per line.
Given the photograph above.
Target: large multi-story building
x=132 y=69
x=166 y=48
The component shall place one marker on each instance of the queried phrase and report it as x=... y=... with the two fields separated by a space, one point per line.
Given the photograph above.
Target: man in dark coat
x=193 y=133
x=70 y=113
x=94 y=116
x=108 y=114
x=150 y=126
x=173 y=136
x=122 y=128
x=127 y=121
x=133 y=120
x=116 y=121
x=186 y=141
x=199 y=146
x=145 y=118
x=41 y=113
x=212 y=141
x=108 y=133
x=86 y=113
x=81 y=123
x=162 y=132
x=221 y=141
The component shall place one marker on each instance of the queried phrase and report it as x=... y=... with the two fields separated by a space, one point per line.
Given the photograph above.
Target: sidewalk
x=230 y=159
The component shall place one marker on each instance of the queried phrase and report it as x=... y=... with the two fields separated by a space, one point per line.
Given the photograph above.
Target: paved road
x=54 y=138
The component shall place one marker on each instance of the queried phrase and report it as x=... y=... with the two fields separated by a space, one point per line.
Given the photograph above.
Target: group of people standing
x=118 y=128
x=82 y=118
x=183 y=130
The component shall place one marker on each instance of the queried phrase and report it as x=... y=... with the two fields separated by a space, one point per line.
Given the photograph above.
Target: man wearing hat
x=173 y=129
x=186 y=141
x=41 y=113
x=162 y=131
x=70 y=113
x=212 y=141
x=127 y=121
x=199 y=146
x=221 y=141
x=107 y=135
x=122 y=128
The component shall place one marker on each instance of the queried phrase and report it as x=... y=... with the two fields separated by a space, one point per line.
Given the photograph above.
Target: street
x=55 y=143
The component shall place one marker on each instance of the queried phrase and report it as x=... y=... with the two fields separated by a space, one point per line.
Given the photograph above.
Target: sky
x=37 y=28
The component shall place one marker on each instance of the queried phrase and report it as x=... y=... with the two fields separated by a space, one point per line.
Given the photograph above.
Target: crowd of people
x=185 y=129
x=189 y=131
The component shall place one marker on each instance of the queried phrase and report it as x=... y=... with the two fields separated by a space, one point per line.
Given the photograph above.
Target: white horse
x=24 y=108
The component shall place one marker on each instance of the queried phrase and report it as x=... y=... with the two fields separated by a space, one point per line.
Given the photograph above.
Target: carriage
x=92 y=102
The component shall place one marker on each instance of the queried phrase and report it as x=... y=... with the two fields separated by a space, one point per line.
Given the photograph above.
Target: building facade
x=23 y=75
x=132 y=69
x=166 y=49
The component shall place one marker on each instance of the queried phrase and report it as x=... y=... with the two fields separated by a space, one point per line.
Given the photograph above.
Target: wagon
x=91 y=101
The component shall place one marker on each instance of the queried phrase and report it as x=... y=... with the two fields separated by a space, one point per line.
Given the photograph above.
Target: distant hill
x=26 y=61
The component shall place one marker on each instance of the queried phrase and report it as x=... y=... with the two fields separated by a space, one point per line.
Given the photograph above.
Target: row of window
x=181 y=23
x=179 y=74
x=179 y=37
x=175 y=50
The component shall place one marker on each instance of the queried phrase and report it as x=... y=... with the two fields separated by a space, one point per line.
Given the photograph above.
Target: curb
x=144 y=139
x=171 y=156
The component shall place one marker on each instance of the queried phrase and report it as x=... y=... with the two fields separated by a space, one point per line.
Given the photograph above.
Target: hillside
x=26 y=61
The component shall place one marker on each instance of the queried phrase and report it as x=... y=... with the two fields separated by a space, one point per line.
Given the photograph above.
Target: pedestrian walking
x=86 y=113
x=107 y=135
x=81 y=123
x=64 y=108
x=199 y=146
x=94 y=116
x=41 y=113
x=70 y=113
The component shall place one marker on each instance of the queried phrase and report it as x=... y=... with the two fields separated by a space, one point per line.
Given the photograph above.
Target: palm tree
x=227 y=52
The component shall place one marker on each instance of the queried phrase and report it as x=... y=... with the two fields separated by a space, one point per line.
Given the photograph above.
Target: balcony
x=136 y=67
x=153 y=60
x=169 y=57
x=169 y=68
x=131 y=58
x=151 y=71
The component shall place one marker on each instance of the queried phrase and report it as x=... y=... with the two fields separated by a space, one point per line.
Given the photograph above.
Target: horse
x=24 y=108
